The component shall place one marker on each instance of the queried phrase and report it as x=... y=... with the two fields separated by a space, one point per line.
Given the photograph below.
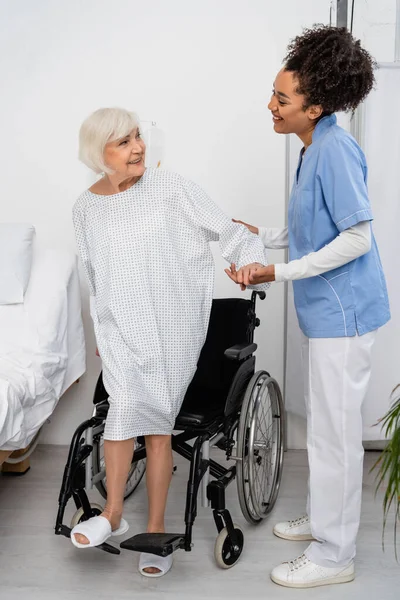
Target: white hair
x=103 y=126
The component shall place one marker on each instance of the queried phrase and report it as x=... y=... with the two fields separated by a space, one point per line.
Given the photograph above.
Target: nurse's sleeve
x=78 y=218
x=237 y=244
x=341 y=172
x=274 y=238
x=347 y=246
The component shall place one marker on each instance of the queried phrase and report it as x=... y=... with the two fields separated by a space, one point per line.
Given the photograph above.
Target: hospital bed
x=42 y=353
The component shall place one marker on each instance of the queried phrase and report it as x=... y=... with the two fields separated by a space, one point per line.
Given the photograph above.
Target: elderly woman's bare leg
x=158 y=477
x=118 y=458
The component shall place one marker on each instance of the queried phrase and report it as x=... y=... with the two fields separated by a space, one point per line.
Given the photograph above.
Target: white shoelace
x=298 y=562
x=299 y=521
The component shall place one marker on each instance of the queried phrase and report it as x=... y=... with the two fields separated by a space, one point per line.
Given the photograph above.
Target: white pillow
x=15 y=261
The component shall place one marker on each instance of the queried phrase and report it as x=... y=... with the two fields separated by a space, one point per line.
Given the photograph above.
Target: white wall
x=202 y=70
x=374 y=25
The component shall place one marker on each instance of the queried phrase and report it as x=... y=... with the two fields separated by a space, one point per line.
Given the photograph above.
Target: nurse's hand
x=263 y=275
x=251 y=228
x=241 y=277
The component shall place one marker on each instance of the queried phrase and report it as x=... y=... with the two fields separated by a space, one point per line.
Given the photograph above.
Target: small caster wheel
x=78 y=517
x=226 y=555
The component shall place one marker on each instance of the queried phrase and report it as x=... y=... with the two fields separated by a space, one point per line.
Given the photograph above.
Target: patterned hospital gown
x=147 y=258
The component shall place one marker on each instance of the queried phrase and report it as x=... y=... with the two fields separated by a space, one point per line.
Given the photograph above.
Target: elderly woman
x=143 y=237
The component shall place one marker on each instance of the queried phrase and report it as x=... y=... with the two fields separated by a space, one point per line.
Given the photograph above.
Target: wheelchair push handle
x=256 y=293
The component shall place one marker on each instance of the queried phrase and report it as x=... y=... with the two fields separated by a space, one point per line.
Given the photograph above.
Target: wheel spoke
x=265 y=466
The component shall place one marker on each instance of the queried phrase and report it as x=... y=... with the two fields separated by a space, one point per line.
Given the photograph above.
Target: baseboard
x=374 y=445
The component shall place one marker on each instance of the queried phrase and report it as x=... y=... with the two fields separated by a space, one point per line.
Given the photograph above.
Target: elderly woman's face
x=287 y=106
x=126 y=155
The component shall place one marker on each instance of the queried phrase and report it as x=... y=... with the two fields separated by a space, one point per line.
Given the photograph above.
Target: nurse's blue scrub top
x=330 y=195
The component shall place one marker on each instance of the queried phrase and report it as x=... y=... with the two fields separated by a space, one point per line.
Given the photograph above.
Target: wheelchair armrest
x=240 y=351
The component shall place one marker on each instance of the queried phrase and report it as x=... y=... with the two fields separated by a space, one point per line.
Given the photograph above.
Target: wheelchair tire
x=260 y=447
x=97 y=509
x=226 y=556
x=134 y=477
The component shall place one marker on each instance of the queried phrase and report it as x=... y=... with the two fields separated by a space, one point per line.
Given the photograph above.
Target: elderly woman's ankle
x=113 y=515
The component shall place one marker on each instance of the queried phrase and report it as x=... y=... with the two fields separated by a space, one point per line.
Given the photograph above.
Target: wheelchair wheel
x=97 y=509
x=226 y=555
x=134 y=477
x=260 y=447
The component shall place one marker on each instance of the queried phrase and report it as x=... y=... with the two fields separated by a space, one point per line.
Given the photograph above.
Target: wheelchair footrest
x=162 y=544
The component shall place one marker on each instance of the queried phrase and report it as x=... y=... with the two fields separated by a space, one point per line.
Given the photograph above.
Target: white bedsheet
x=42 y=348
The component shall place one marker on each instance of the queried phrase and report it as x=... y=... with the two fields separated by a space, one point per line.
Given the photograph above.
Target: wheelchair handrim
x=243 y=482
x=265 y=450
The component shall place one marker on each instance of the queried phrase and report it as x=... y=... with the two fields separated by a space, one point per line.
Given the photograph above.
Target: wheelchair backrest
x=100 y=393
x=232 y=321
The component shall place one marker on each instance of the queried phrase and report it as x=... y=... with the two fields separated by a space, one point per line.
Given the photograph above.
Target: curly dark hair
x=332 y=68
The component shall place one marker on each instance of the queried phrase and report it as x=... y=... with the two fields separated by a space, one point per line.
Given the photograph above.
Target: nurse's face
x=287 y=107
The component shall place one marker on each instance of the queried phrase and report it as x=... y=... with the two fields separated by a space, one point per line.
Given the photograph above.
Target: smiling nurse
x=339 y=291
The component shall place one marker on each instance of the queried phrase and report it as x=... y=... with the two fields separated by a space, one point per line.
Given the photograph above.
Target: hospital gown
x=149 y=265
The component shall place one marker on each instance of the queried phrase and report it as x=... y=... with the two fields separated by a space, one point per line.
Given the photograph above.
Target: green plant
x=388 y=464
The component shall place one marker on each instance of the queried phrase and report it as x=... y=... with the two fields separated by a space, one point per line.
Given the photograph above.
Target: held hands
x=252 y=274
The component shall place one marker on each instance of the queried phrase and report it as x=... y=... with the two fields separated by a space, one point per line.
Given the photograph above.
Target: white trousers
x=336 y=376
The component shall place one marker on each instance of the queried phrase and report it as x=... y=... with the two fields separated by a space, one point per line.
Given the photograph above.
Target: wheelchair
x=228 y=406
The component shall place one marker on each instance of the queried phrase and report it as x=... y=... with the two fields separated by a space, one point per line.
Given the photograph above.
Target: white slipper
x=97 y=530
x=147 y=561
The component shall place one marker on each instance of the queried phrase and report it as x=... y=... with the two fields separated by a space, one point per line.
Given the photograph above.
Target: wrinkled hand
x=232 y=274
x=251 y=228
x=242 y=277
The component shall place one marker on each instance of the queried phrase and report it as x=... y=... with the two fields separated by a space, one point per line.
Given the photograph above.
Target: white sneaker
x=298 y=529
x=302 y=573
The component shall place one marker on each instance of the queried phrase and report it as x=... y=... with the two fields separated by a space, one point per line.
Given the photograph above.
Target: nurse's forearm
x=349 y=245
x=274 y=238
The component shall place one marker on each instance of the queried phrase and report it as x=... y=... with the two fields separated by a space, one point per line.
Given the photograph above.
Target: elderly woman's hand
x=242 y=276
x=232 y=274
x=251 y=274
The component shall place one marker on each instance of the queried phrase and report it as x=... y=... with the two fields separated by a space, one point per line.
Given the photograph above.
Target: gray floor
x=37 y=565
